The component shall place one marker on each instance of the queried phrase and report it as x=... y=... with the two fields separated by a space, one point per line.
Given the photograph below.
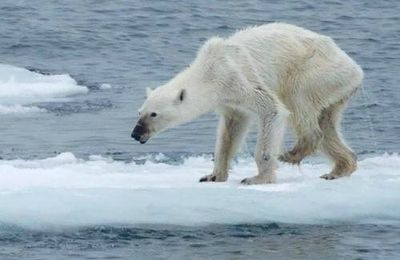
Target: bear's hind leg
x=231 y=130
x=333 y=144
x=309 y=136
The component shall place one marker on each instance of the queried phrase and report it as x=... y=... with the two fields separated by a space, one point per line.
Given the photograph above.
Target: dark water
x=135 y=44
x=275 y=241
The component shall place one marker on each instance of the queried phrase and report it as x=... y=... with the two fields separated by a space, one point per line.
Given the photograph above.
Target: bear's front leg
x=231 y=130
x=270 y=135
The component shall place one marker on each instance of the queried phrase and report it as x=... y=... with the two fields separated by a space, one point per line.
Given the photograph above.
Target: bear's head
x=188 y=95
x=164 y=107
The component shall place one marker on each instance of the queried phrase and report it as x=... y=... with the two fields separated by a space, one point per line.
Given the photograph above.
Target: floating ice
x=105 y=86
x=18 y=109
x=19 y=87
x=66 y=191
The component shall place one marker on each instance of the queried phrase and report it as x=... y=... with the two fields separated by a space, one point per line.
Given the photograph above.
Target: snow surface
x=67 y=191
x=19 y=87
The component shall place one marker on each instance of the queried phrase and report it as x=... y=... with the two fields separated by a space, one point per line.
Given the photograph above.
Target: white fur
x=270 y=73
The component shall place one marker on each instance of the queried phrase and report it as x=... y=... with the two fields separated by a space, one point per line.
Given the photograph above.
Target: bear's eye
x=153 y=114
x=182 y=95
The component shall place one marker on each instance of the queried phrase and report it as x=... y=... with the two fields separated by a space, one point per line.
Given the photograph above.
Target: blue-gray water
x=263 y=241
x=135 y=44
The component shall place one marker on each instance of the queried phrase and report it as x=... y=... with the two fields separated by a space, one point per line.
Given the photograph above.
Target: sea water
x=74 y=185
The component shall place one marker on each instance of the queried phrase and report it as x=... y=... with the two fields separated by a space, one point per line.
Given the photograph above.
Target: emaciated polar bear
x=275 y=73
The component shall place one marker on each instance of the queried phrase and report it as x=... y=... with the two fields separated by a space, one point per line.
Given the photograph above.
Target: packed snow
x=68 y=191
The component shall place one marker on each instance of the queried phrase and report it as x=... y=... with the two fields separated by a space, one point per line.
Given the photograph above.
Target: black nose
x=137 y=132
x=135 y=136
x=139 y=129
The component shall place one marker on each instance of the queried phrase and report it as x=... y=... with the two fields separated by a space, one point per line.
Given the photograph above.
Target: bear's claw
x=212 y=178
x=330 y=176
x=208 y=178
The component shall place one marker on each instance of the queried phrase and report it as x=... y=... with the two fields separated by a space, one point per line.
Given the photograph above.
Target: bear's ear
x=148 y=91
x=181 y=96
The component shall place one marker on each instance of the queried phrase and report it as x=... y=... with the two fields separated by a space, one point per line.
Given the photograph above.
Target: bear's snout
x=135 y=136
x=139 y=133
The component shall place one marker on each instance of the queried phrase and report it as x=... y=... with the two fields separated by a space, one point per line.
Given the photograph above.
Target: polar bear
x=275 y=73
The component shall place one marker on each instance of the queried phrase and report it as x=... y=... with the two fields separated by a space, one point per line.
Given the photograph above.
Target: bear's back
x=271 y=30
x=278 y=49
x=280 y=40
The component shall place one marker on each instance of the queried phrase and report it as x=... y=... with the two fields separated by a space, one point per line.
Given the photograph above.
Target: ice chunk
x=19 y=87
x=67 y=191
